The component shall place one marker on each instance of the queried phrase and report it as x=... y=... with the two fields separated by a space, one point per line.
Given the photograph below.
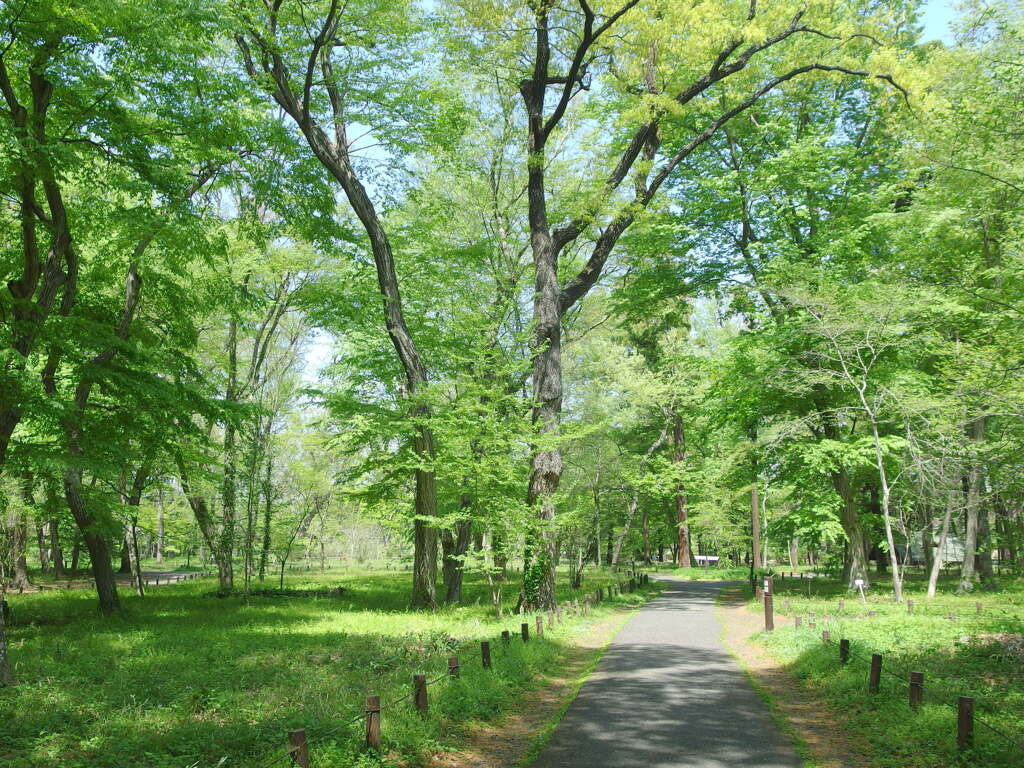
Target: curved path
x=667 y=694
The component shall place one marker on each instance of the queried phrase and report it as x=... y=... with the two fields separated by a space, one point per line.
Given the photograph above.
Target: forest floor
x=183 y=678
x=970 y=645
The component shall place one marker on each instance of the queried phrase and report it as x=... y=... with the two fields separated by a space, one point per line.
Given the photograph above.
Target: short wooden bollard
x=842 y=604
x=844 y=651
x=299 y=748
x=825 y=636
x=525 y=630
x=506 y=637
x=453 y=666
x=373 y=722
x=796 y=622
x=419 y=693
x=871 y=614
x=485 y=654
x=785 y=605
x=875 y=677
x=910 y=606
x=952 y=616
x=978 y=608
x=769 y=613
x=540 y=626
x=916 y=690
x=964 y=722
x=551 y=619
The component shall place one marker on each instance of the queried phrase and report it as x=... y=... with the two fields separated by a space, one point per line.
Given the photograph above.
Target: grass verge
x=184 y=679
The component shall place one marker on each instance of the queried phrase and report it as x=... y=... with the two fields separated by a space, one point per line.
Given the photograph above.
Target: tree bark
x=454 y=546
x=682 y=514
x=336 y=159
x=933 y=574
x=968 y=572
x=855 y=564
x=95 y=542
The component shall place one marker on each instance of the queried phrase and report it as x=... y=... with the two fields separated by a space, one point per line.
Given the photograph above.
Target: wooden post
x=825 y=636
x=910 y=606
x=871 y=614
x=842 y=604
x=506 y=637
x=796 y=622
x=453 y=666
x=525 y=630
x=785 y=604
x=964 y=722
x=299 y=748
x=844 y=651
x=916 y=690
x=875 y=678
x=485 y=654
x=769 y=613
x=952 y=616
x=419 y=693
x=540 y=626
x=551 y=619
x=978 y=607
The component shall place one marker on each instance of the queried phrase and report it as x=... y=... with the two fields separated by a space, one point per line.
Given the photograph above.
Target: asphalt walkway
x=666 y=695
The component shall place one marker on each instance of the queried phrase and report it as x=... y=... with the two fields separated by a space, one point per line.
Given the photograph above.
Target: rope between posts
x=1009 y=739
x=290 y=752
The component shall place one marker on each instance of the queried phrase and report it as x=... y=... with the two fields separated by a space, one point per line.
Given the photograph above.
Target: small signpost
x=860 y=585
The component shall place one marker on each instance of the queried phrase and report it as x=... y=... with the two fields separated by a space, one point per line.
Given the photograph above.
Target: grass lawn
x=973 y=654
x=183 y=678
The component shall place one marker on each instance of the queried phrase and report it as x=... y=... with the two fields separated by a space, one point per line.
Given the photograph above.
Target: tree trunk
x=855 y=564
x=682 y=516
x=424 y=568
x=936 y=566
x=454 y=545
x=160 y=531
x=968 y=573
x=95 y=542
x=794 y=552
x=6 y=670
x=126 y=560
x=133 y=556
x=44 y=553
x=268 y=510
x=19 y=543
x=755 y=526
x=645 y=529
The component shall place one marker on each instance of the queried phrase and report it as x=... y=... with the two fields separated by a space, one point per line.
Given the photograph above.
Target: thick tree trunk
x=19 y=543
x=794 y=552
x=855 y=564
x=682 y=515
x=126 y=560
x=6 y=669
x=454 y=546
x=424 y=567
x=95 y=542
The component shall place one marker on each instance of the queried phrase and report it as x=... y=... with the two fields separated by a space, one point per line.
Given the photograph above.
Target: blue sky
x=936 y=18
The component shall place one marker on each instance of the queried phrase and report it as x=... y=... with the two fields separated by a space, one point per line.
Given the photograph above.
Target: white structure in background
x=952 y=552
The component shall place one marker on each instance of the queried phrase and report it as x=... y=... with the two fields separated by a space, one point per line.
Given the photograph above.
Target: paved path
x=667 y=694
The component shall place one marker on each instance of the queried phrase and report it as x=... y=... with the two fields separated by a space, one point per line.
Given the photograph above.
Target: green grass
x=959 y=657
x=185 y=679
